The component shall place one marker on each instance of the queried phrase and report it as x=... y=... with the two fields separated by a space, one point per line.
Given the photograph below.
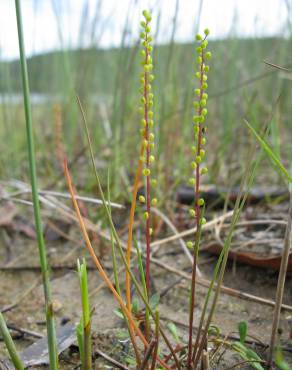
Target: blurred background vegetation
x=241 y=86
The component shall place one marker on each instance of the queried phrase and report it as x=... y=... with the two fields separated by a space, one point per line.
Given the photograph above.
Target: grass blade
x=272 y=156
x=38 y=223
x=10 y=344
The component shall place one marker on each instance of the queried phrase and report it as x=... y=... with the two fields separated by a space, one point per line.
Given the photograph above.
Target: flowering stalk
x=196 y=164
x=146 y=131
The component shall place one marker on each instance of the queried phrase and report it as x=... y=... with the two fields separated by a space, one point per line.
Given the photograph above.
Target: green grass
x=241 y=87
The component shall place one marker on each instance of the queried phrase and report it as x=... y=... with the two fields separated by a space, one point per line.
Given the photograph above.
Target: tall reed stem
x=37 y=215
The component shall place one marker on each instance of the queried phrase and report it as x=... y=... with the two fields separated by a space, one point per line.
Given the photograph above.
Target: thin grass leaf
x=10 y=344
x=272 y=156
x=51 y=334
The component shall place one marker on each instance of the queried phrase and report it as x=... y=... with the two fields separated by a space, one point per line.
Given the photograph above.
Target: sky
x=55 y=24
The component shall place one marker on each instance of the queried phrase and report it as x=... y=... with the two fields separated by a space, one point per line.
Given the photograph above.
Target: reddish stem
x=198 y=216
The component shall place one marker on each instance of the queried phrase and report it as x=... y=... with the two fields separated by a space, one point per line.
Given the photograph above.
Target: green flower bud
x=194 y=149
x=143 y=122
x=197 y=91
x=198 y=159
x=146 y=172
x=192 y=212
x=193 y=165
x=143 y=24
x=206 y=69
x=202 y=153
x=143 y=52
x=192 y=181
x=151 y=159
x=151 y=123
x=143 y=100
x=204 y=170
x=150 y=48
x=198 y=74
x=147 y=15
x=150 y=114
x=199 y=60
x=204 y=85
x=205 y=96
x=196 y=129
x=203 y=141
x=203 y=221
x=203 y=102
x=142 y=199
x=204 y=112
x=196 y=104
x=147 y=30
x=199 y=49
x=190 y=245
x=204 y=44
x=205 y=78
x=141 y=110
x=154 y=183
x=154 y=201
x=145 y=143
x=151 y=78
x=206 y=31
x=196 y=119
x=146 y=215
x=201 y=202
x=208 y=55
x=198 y=37
x=151 y=96
x=151 y=136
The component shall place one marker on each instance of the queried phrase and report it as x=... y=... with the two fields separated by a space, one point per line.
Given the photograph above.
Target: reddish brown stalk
x=148 y=186
x=131 y=224
x=198 y=217
x=103 y=274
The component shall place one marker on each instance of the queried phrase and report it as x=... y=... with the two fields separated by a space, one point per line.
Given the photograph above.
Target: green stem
x=10 y=344
x=37 y=215
x=87 y=357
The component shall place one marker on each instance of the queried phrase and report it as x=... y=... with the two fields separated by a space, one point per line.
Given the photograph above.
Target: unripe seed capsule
x=203 y=221
x=201 y=202
x=142 y=199
x=154 y=201
x=190 y=245
x=193 y=165
x=192 y=212
x=208 y=55
x=146 y=215
x=146 y=172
